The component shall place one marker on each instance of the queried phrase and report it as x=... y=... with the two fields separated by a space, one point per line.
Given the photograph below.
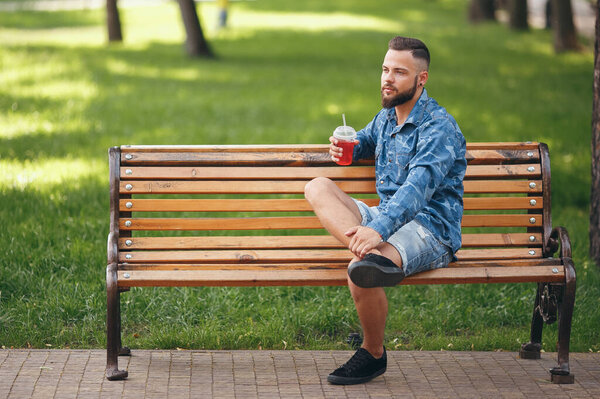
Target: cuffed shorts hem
x=417 y=246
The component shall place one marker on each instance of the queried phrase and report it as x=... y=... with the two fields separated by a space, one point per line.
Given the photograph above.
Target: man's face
x=401 y=75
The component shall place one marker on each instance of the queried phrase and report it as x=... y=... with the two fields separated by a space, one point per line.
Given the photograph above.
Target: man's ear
x=423 y=77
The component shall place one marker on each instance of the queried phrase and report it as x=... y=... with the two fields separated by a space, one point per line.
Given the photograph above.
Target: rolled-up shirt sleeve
x=437 y=148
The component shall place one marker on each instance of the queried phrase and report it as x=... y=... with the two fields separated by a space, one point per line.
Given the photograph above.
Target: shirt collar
x=416 y=114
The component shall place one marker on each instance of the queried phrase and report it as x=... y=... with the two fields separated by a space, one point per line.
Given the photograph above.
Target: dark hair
x=415 y=46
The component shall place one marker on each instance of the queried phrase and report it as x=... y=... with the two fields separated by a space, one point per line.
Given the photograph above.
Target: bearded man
x=420 y=164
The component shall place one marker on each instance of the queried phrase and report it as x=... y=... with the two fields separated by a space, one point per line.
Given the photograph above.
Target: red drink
x=347 y=151
x=346 y=136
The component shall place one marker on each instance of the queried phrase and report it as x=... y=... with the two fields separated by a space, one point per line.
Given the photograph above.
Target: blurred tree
x=195 y=42
x=113 y=22
x=565 y=37
x=482 y=10
x=595 y=198
x=518 y=14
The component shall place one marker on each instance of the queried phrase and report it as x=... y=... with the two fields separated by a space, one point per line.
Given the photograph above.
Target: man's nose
x=387 y=77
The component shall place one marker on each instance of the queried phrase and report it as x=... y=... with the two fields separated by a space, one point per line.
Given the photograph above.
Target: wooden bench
x=249 y=219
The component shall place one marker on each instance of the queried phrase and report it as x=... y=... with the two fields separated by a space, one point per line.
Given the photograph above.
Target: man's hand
x=363 y=240
x=334 y=150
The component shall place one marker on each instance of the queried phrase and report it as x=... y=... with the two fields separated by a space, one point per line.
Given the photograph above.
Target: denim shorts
x=418 y=248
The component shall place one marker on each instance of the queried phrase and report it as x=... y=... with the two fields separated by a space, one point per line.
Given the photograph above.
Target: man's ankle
x=377 y=353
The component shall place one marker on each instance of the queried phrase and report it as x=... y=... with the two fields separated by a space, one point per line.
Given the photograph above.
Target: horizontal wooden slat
x=222 y=205
x=508 y=145
x=235 y=187
x=502 y=203
x=239 y=256
x=258 y=223
x=298 y=205
x=502 y=186
x=132 y=278
x=287 y=242
x=300 y=222
x=242 y=173
x=297 y=187
x=530 y=171
x=519 y=145
x=488 y=263
x=498 y=253
x=527 y=171
x=258 y=157
x=501 y=156
x=501 y=240
x=298 y=255
x=530 y=220
x=225 y=242
x=296 y=155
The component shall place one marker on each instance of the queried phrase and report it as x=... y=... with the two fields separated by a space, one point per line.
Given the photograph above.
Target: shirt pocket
x=402 y=165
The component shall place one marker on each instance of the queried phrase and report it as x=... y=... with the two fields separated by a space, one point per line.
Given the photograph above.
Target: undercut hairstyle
x=417 y=48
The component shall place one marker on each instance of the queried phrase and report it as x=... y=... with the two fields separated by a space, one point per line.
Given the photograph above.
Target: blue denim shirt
x=420 y=166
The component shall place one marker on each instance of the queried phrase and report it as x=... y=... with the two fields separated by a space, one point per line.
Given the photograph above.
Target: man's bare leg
x=334 y=208
x=372 y=305
x=338 y=213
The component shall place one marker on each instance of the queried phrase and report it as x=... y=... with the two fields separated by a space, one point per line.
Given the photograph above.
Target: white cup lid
x=344 y=133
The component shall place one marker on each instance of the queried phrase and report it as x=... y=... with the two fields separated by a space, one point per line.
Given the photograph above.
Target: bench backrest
x=177 y=207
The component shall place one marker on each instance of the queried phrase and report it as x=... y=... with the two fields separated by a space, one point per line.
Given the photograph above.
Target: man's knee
x=316 y=188
x=359 y=294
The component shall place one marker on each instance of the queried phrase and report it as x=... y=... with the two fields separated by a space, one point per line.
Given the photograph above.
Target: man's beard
x=400 y=98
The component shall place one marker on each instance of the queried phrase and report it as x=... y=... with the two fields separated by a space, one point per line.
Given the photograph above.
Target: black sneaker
x=361 y=367
x=375 y=271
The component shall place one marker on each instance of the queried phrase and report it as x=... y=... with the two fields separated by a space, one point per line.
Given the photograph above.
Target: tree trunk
x=195 y=42
x=595 y=198
x=518 y=14
x=482 y=10
x=565 y=37
x=113 y=22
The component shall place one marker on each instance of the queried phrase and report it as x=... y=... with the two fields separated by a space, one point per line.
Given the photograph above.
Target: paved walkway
x=288 y=374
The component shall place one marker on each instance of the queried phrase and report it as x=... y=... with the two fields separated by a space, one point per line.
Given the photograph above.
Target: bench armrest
x=112 y=248
x=559 y=237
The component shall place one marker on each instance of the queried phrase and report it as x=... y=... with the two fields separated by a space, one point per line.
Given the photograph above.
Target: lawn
x=285 y=71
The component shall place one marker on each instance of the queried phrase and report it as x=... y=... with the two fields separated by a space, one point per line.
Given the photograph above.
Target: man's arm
x=438 y=147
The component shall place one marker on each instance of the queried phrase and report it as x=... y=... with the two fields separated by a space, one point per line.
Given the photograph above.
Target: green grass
x=285 y=71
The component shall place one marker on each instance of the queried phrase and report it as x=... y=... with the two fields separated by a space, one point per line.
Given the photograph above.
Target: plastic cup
x=346 y=135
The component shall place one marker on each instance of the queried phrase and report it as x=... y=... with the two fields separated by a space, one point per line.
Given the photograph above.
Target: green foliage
x=285 y=72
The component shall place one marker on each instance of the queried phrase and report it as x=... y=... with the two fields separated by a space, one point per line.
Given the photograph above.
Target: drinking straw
x=344 y=119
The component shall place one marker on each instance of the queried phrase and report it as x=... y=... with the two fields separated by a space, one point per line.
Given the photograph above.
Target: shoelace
x=357 y=361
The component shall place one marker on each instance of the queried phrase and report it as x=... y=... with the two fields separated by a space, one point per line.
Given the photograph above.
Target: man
x=419 y=152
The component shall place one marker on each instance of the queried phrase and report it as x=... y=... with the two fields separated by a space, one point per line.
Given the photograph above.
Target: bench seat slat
x=529 y=171
x=300 y=222
x=288 y=242
x=297 y=205
x=329 y=265
x=297 y=187
x=298 y=255
x=161 y=278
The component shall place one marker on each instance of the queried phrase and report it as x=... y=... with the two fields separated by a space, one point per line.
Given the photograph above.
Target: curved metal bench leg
x=561 y=374
x=113 y=327
x=532 y=349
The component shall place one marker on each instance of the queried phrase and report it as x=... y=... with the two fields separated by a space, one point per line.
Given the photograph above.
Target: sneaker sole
x=373 y=275
x=337 y=380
